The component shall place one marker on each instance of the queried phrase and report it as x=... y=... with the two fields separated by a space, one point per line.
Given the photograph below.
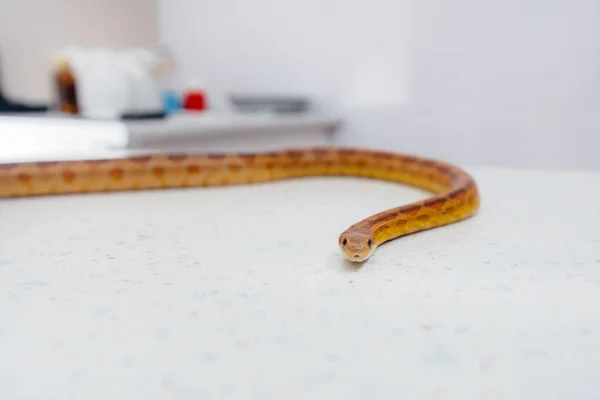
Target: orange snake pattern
x=455 y=193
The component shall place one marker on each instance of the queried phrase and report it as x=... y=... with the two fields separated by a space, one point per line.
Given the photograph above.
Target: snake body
x=455 y=194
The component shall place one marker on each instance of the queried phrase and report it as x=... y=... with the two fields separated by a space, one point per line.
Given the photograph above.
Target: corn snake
x=455 y=193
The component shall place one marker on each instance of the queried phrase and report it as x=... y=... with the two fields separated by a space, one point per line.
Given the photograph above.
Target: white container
x=111 y=83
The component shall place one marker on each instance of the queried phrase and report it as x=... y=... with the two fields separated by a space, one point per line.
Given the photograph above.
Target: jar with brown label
x=66 y=87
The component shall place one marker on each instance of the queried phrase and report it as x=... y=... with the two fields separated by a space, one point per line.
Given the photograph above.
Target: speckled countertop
x=240 y=293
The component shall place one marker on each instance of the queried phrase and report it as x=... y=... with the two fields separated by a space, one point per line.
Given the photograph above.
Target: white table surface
x=241 y=293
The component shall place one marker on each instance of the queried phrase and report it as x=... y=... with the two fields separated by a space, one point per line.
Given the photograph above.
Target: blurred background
x=495 y=82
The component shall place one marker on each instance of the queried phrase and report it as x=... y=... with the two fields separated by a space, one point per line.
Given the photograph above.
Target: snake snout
x=356 y=245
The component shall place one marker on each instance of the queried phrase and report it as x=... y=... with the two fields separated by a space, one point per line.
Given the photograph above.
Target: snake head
x=356 y=245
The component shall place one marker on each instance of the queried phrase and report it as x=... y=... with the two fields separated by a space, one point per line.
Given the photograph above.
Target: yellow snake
x=455 y=193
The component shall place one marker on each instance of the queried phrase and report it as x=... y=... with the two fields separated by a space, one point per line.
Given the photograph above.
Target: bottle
x=165 y=72
x=195 y=97
x=66 y=87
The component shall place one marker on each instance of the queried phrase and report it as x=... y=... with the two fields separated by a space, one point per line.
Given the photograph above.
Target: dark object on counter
x=277 y=104
x=143 y=116
x=11 y=107
x=8 y=106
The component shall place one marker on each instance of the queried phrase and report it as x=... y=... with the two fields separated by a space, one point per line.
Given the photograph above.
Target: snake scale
x=455 y=195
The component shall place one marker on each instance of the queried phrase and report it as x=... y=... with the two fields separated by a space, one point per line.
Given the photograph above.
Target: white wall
x=499 y=81
x=313 y=47
x=513 y=81
x=31 y=31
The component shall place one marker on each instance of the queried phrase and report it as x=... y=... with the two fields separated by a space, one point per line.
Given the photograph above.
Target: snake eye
x=344 y=241
x=369 y=242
